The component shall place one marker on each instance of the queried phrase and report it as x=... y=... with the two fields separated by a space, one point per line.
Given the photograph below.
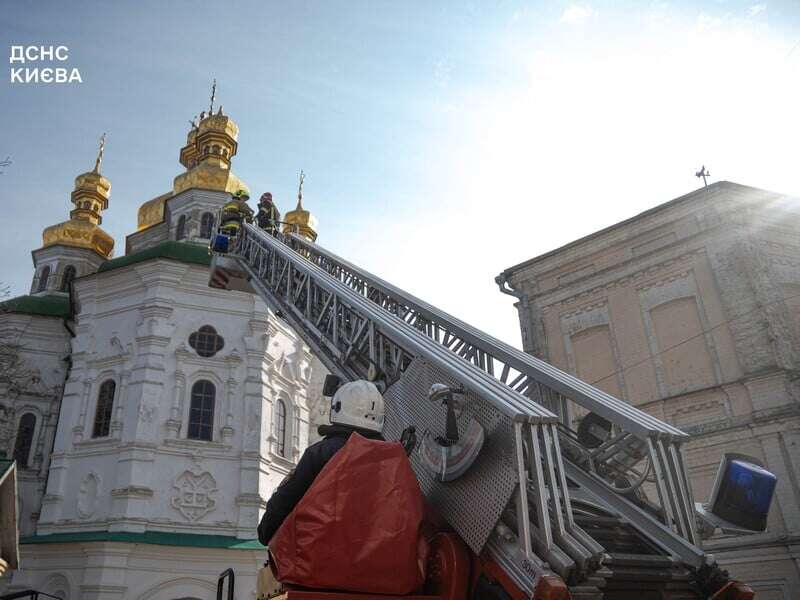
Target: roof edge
x=49 y=305
x=185 y=252
x=715 y=187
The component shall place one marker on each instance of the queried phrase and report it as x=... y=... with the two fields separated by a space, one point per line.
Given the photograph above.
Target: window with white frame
x=66 y=279
x=201 y=411
x=280 y=426
x=206 y=225
x=105 y=404
x=206 y=341
x=44 y=275
x=24 y=441
x=180 y=230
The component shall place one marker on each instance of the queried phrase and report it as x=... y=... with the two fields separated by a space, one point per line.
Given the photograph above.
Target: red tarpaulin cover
x=358 y=527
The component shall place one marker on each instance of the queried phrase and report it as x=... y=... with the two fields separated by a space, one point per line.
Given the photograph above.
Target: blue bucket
x=220 y=243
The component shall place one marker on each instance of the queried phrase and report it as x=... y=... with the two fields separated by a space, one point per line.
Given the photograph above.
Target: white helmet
x=358 y=404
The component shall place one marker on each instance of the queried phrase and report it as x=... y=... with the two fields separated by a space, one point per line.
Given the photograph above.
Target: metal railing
x=226 y=575
x=542 y=382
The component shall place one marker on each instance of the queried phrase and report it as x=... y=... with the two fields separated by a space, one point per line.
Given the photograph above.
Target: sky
x=442 y=142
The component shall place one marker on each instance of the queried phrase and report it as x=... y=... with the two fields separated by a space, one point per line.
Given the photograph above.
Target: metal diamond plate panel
x=473 y=503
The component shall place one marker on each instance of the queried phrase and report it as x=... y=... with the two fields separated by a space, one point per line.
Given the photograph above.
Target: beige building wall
x=691 y=312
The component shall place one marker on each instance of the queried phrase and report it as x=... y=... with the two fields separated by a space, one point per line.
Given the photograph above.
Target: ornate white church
x=150 y=416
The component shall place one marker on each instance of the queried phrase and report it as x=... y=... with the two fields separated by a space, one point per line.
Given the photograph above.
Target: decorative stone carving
x=284 y=367
x=194 y=498
x=252 y=426
x=6 y=427
x=88 y=494
x=116 y=346
x=57 y=585
x=147 y=411
x=623 y=280
x=182 y=352
x=174 y=422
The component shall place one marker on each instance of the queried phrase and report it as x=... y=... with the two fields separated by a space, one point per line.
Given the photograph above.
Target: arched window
x=206 y=225
x=180 y=230
x=22 y=447
x=206 y=341
x=105 y=404
x=201 y=411
x=69 y=275
x=44 y=275
x=280 y=426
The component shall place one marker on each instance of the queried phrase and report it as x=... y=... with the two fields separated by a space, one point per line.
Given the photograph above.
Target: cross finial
x=300 y=191
x=100 y=151
x=213 y=96
x=703 y=173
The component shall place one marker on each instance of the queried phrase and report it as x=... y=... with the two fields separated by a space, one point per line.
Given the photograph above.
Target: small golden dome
x=93 y=182
x=90 y=198
x=219 y=123
x=152 y=212
x=299 y=220
x=79 y=233
x=207 y=156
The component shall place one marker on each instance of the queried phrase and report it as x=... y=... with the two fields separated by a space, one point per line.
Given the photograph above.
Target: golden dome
x=208 y=177
x=207 y=156
x=81 y=234
x=152 y=212
x=299 y=220
x=219 y=123
x=90 y=198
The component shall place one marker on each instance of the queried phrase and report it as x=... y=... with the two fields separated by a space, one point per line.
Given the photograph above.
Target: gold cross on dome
x=102 y=149
x=213 y=96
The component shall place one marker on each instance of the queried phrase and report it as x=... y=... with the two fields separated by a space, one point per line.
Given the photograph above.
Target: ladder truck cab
x=548 y=487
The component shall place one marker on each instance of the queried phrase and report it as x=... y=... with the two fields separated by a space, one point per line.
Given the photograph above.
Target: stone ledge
x=148 y=537
x=188 y=444
x=251 y=500
x=132 y=491
x=104 y=442
x=759 y=416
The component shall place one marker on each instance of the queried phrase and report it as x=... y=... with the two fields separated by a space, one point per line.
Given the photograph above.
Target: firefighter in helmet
x=268 y=215
x=356 y=406
x=234 y=212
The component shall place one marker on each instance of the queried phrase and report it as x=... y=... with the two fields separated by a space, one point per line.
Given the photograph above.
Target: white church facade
x=150 y=415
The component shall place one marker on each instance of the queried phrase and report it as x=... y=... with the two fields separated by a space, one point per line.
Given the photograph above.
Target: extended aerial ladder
x=611 y=514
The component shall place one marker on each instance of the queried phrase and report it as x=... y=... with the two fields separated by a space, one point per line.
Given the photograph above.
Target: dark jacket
x=295 y=484
x=267 y=216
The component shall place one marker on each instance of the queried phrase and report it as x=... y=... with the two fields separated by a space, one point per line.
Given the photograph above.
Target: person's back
x=237 y=209
x=268 y=215
x=359 y=527
x=356 y=407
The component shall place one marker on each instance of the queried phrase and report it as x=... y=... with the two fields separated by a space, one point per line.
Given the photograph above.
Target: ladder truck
x=535 y=508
